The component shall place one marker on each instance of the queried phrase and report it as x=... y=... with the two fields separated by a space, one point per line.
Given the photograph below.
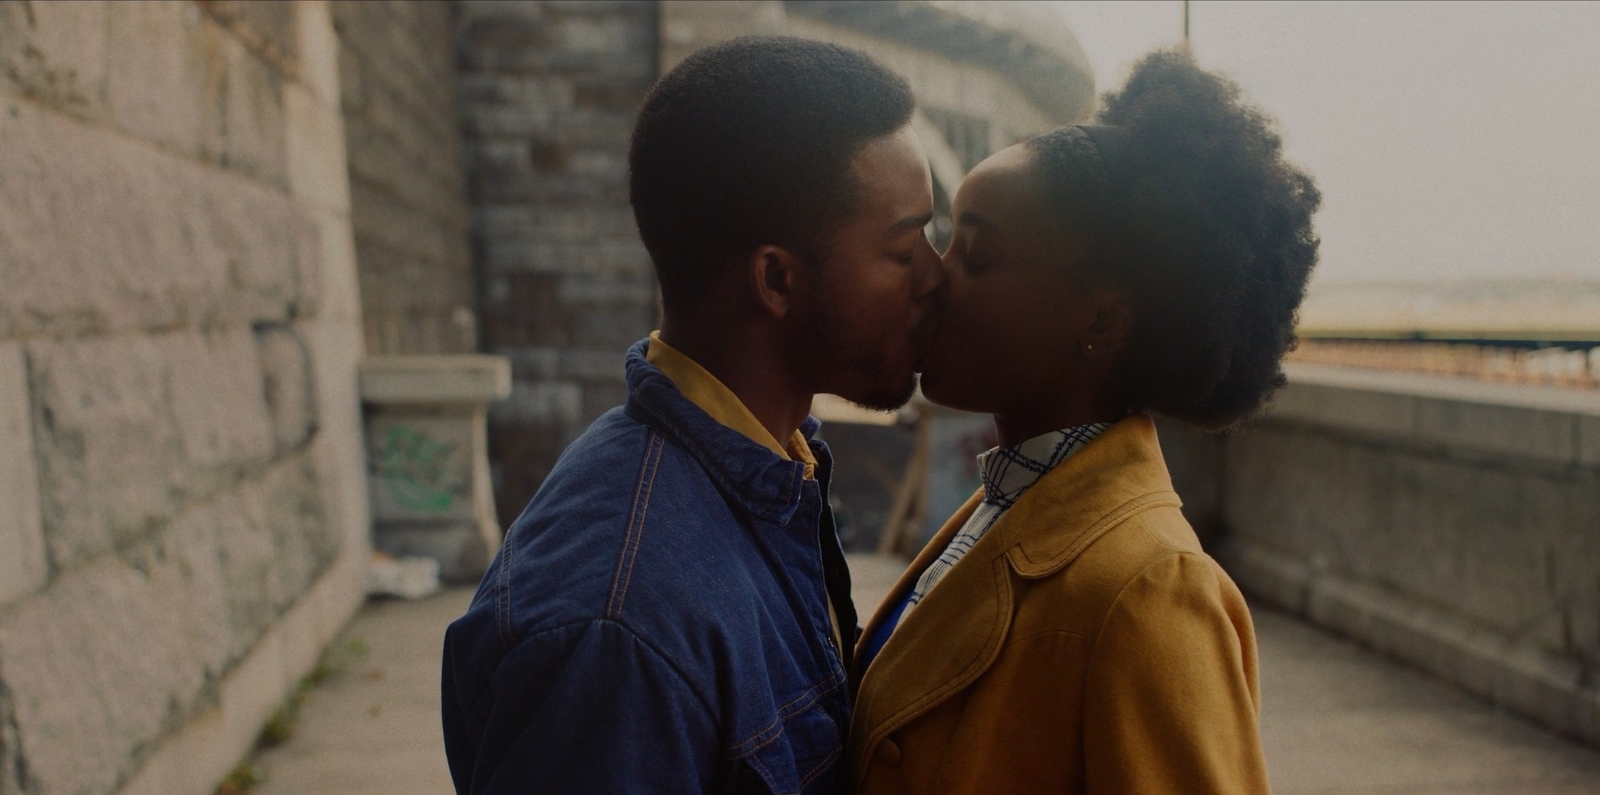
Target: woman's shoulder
x=1153 y=549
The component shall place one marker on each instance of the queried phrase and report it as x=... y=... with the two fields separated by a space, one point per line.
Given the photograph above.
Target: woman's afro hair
x=1197 y=218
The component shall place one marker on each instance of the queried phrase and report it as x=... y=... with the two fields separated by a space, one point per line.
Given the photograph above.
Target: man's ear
x=1111 y=323
x=776 y=279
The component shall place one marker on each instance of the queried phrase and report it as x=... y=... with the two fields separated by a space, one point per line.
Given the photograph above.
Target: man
x=668 y=612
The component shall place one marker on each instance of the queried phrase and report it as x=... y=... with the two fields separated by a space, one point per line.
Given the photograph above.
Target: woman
x=1064 y=632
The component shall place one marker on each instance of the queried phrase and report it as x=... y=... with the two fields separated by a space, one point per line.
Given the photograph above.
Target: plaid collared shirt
x=1006 y=473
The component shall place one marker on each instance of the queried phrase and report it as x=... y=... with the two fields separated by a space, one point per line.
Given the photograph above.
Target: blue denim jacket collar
x=755 y=479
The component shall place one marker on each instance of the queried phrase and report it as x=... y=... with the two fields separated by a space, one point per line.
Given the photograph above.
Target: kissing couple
x=672 y=613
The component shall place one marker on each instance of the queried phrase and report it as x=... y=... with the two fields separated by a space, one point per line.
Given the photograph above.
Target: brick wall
x=397 y=78
x=548 y=95
x=179 y=460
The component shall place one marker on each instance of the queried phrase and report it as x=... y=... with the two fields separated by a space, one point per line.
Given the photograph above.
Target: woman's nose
x=931 y=275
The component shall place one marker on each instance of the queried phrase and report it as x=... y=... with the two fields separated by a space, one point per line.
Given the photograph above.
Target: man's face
x=877 y=294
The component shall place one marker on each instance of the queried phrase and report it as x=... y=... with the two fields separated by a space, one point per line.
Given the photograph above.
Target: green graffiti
x=417 y=470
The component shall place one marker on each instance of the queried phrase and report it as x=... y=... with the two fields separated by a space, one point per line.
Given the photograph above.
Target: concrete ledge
x=210 y=744
x=454 y=378
x=1359 y=379
x=1549 y=688
x=1525 y=422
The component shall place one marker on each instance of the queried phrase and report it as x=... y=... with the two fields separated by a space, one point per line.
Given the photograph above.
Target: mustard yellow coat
x=1085 y=645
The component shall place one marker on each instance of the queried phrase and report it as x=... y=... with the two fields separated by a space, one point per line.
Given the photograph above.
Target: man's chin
x=884 y=397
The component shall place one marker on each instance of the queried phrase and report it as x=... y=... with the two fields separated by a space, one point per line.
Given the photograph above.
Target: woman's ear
x=776 y=279
x=1110 y=325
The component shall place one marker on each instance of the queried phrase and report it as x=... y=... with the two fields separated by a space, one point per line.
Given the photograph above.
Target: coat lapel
x=956 y=633
x=930 y=552
x=1110 y=479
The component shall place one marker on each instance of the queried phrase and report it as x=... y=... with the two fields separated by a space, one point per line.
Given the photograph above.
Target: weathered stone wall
x=1453 y=523
x=182 y=518
x=397 y=79
x=548 y=95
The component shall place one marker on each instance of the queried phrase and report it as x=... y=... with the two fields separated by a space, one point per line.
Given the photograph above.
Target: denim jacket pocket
x=796 y=759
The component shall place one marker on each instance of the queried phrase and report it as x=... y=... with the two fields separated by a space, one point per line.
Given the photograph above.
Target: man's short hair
x=749 y=143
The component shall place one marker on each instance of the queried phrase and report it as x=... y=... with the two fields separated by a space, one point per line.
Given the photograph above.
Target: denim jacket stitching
x=692 y=441
x=766 y=775
x=671 y=663
x=821 y=766
x=799 y=704
x=772 y=731
x=503 y=594
x=810 y=776
x=635 y=533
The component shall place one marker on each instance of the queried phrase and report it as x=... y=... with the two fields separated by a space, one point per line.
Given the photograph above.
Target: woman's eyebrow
x=973 y=219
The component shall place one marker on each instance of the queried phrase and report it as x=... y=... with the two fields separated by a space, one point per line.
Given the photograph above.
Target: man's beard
x=862 y=372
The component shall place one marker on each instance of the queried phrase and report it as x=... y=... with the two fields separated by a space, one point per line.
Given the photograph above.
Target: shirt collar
x=766 y=485
x=719 y=402
x=1007 y=472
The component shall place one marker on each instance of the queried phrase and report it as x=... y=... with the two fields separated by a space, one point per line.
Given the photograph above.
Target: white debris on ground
x=405 y=578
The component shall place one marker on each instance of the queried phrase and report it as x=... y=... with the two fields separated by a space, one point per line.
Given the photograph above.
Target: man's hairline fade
x=695 y=221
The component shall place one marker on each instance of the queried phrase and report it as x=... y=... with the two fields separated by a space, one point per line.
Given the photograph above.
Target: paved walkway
x=373 y=729
x=1337 y=720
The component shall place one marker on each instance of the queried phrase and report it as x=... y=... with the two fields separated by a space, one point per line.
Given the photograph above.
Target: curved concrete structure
x=1027 y=42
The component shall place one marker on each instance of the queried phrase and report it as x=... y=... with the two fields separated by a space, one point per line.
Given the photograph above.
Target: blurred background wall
x=398 y=88
x=548 y=92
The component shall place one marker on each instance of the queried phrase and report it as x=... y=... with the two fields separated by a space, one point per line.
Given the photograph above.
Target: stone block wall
x=397 y=79
x=1452 y=523
x=548 y=95
x=182 y=516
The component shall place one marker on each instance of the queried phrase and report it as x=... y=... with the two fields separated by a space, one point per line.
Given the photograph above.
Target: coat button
x=888 y=752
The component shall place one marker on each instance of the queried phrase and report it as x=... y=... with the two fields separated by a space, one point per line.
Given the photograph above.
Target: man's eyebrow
x=911 y=222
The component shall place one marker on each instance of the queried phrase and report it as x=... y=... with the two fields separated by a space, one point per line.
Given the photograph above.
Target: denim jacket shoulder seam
x=643 y=488
x=644 y=641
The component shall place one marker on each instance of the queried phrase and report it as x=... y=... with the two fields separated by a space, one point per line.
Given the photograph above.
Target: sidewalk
x=373 y=729
x=1337 y=720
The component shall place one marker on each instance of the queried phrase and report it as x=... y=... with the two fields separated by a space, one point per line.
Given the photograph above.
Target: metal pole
x=1186 y=25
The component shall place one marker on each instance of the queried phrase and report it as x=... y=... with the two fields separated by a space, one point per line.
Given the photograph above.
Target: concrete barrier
x=428 y=457
x=1453 y=524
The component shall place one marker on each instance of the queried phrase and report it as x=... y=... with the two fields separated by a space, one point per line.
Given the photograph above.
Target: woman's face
x=1012 y=338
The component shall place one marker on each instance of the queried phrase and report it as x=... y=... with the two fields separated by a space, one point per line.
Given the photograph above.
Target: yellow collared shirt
x=716 y=399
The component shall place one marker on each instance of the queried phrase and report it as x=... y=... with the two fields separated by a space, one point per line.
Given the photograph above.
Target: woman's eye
x=907 y=256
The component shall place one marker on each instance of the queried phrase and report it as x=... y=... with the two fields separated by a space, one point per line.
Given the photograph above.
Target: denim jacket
x=656 y=620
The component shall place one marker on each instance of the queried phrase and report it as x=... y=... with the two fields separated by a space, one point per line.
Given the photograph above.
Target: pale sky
x=1452 y=141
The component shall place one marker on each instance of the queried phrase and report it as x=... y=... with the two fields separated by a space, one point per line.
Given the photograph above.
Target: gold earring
x=1089 y=347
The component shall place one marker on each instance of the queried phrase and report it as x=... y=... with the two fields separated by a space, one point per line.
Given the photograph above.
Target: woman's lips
x=925 y=337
